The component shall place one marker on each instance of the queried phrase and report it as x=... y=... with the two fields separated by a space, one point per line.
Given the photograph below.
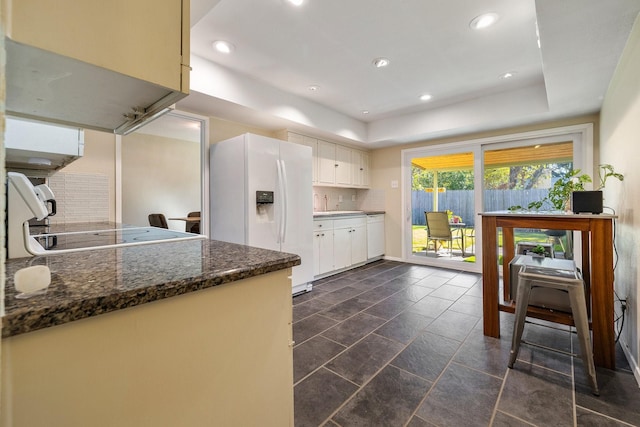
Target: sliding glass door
x=468 y=177
x=519 y=178
x=442 y=181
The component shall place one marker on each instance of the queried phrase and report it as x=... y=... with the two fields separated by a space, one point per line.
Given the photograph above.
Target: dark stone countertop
x=337 y=214
x=90 y=283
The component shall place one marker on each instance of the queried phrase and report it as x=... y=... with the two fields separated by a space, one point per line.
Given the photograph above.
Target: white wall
x=159 y=175
x=620 y=147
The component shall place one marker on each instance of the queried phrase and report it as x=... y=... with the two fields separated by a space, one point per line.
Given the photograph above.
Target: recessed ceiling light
x=508 y=75
x=223 y=46
x=365 y=111
x=483 y=21
x=425 y=97
x=296 y=2
x=380 y=62
x=313 y=88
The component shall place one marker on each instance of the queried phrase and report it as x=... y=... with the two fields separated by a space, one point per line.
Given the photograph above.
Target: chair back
x=438 y=225
x=158 y=220
x=193 y=226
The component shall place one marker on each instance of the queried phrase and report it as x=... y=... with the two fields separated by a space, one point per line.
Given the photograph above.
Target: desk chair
x=193 y=226
x=438 y=229
x=564 y=292
x=158 y=220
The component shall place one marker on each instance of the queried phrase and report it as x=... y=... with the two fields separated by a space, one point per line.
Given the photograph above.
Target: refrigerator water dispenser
x=264 y=197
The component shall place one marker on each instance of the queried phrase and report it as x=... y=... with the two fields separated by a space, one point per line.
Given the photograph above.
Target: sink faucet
x=325 y=203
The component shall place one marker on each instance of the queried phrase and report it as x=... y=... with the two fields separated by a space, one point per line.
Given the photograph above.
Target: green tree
x=451 y=180
x=456 y=180
x=519 y=177
x=421 y=178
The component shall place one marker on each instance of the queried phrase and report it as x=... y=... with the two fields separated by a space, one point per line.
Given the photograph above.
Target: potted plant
x=560 y=194
x=539 y=250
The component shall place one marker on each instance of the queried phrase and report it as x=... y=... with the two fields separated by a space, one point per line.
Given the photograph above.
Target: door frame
x=581 y=135
x=204 y=169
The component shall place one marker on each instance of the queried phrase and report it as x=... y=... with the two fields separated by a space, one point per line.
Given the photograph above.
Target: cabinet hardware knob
x=336 y=165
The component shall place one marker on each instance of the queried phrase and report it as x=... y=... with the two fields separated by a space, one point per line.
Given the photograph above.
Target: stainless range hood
x=47 y=86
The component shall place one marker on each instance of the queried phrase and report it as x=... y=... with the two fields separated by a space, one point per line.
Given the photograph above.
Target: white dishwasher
x=375 y=236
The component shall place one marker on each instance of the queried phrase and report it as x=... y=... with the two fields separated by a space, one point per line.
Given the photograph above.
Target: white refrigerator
x=261 y=195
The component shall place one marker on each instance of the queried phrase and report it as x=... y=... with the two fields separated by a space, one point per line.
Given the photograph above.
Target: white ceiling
x=280 y=50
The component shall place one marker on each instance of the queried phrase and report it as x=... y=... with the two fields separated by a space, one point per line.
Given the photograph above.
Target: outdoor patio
x=523 y=235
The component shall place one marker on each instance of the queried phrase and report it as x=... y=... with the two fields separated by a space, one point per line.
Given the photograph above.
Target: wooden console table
x=597 y=269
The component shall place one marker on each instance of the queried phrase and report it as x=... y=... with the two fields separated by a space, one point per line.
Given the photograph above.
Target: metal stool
x=567 y=282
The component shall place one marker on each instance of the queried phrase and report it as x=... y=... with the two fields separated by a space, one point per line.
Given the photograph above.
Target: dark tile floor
x=393 y=344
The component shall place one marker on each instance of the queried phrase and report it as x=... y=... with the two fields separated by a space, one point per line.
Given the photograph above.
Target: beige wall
x=620 y=147
x=219 y=130
x=386 y=167
x=159 y=175
x=99 y=159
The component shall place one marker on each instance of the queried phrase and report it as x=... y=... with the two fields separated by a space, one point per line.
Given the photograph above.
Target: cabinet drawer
x=350 y=222
x=324 y=224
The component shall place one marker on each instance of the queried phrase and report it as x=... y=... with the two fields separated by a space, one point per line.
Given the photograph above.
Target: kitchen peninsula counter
x=86 y=284
x=180 y=333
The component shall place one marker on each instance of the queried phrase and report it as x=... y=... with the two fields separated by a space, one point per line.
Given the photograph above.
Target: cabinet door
x=309 y=142
x=146 y=39
x=375 y=237
x=341 y=248
x=317 y=238
x=343 y=165
x=358 y=244
x=356 y=169
x=364 y=169
x=325 y=262
x=360 y=168
x=326 y=162
x=313 y=143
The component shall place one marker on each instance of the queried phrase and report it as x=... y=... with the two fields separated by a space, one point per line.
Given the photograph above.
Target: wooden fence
x=461 y=202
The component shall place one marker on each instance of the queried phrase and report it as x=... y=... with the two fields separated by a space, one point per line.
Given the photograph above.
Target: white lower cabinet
x=375 y=236
x=341 y=248
x=359 y=243
x=322 y=247
x=339 y=244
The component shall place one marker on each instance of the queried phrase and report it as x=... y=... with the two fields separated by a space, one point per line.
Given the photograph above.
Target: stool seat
x=565 y=281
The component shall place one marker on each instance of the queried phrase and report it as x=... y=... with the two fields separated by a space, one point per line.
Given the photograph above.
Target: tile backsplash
x=80 y=197
x=352 y=199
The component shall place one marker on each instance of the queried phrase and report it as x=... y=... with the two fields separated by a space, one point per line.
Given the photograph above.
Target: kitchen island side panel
x=220 y=356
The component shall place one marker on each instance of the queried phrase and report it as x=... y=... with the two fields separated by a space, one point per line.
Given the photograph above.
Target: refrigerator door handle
x=279 y=197
x=284 y=197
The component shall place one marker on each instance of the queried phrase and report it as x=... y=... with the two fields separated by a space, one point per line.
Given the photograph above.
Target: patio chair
x=438 y=230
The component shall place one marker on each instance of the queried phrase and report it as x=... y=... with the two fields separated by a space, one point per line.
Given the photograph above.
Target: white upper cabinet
x=334 y=165
x=309 y=142
x=112 y=62
x=343 y=165
x=360 y=168
x=326 y=162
